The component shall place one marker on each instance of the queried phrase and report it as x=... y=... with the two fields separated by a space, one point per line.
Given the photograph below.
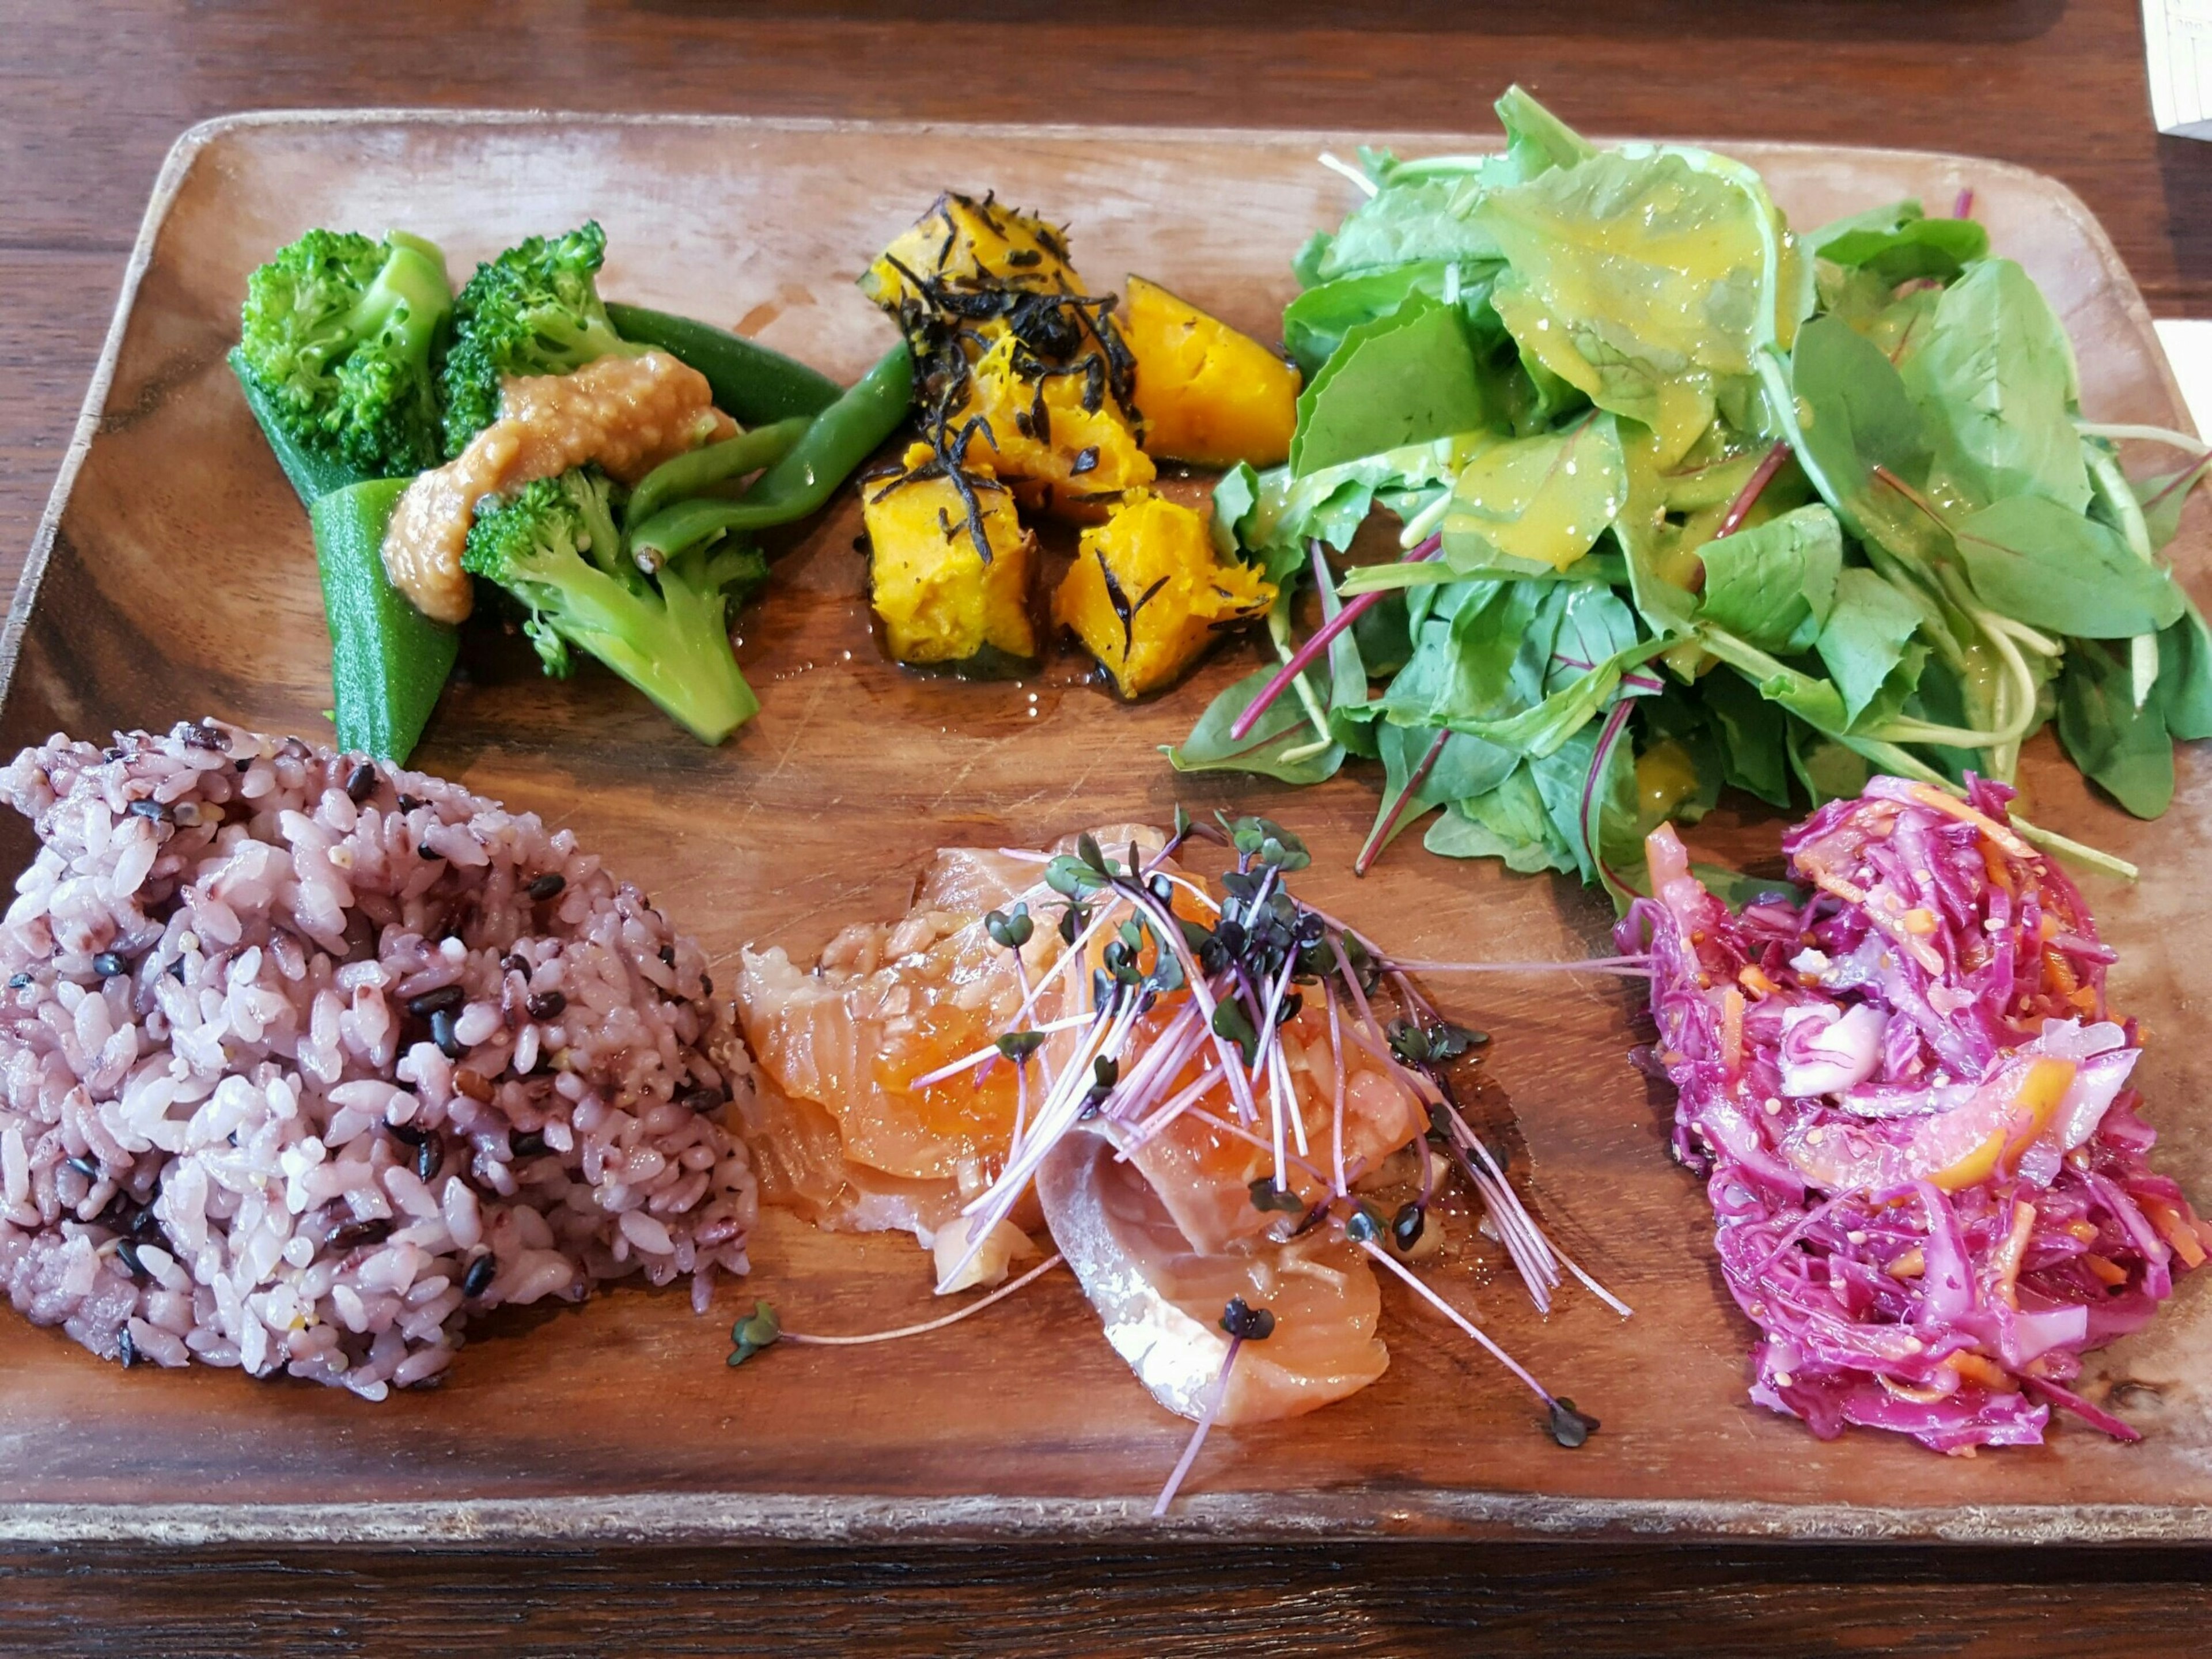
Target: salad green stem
x=2119 y=499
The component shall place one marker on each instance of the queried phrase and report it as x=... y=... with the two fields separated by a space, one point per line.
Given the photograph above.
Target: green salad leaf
x=1712 y=507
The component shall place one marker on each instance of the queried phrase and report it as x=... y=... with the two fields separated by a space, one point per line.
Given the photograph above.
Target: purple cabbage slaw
x=1925 y=1240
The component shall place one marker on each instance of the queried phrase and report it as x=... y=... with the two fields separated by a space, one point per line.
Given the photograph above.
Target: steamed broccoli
x=534 y=310
x=337 y=335
x=555 y=546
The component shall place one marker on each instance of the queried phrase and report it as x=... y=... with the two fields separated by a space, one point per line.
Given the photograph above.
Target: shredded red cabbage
x=1912 y=1104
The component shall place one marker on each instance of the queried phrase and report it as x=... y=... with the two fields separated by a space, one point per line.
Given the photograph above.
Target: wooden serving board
x=173 y=577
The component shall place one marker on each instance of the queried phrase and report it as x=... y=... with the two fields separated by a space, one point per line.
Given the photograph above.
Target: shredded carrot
x=2104 y=1268
x=1973 y=1368
x=1935 y=801
x=1732 y=1030
x=2177 y=1232
x=2085 y=999
x=1911 y=1265
x=2084 y=1230
x=2000 y=875
x=1754 y=981
x=2048 y=927
x=2009 y=1253
x=1836 y=884
x=1919 y=920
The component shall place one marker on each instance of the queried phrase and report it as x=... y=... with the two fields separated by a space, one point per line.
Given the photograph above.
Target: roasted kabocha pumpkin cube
x=1209 y=394
x=1057 y=436
x=964 y=243
x=1147 y=592
x=944 y=604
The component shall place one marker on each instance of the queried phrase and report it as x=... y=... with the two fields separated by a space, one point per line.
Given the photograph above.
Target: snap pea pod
x=388 y=660
x=311 y=474
x=693 y=470
x=751 y=382
x=841 y=437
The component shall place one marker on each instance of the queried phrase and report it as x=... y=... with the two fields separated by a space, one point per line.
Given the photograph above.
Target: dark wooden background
x=91 y=96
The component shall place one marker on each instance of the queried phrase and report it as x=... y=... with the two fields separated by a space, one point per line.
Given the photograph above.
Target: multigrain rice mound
x=306 y=1060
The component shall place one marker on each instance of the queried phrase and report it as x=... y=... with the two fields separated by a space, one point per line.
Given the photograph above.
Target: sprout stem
x=952 y=1318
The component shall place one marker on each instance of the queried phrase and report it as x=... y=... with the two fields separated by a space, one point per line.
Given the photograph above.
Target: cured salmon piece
x=1161 y=1300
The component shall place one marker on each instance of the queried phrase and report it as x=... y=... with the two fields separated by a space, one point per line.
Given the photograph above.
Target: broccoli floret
x=534 y=310
x=553 y=545
x=337 y=334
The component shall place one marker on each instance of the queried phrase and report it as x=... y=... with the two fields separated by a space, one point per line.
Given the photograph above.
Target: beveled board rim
x=1411 y=1514
x=1407 y=1513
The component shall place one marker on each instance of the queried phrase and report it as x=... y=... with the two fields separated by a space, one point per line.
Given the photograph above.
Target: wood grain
x=76 y=167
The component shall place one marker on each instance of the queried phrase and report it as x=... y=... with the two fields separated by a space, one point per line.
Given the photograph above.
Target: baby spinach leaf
x=1774 y=584
x=1828 y=770
x=2124 y=748
x=1754 y=733
x=1642 y=252
x=1415 y=219
x=2036 y=562
x=1508 y=822
x=1315 y=322
x=2163 y=497
x=1535 y=139
x=1853 y=416
x=1996 y=385
x=1405 y=379
x=1540 y=731
x=1268 y=749
x=2184 y=675
x=1563 y=779
x=1676 y=402
x=1544 y=499
x=1465 y=766
x=1899 y=243
x=1235 y=495
x=1868 y=648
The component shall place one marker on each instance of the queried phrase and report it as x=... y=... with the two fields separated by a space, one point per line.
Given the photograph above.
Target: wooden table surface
x=91 y=96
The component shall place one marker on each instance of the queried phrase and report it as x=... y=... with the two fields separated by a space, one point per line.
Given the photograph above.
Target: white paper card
x=2178 y=39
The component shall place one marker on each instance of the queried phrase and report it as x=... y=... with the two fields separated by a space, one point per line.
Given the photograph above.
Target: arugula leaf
x=1868 y=648
x=1995 y=382
x=2124 y=748
x=1899 y=243
x=2038 y=563
x=1546 y=499
x=1774 y=583
x=1405 y=379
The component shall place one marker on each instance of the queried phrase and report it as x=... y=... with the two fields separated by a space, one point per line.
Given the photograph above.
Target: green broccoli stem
x=675 y=649
x=411 y=296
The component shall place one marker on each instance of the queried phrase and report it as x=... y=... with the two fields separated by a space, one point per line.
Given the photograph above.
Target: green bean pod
x=388 y=660
x=751 y=382
x=686 y=474
x=842 y=437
